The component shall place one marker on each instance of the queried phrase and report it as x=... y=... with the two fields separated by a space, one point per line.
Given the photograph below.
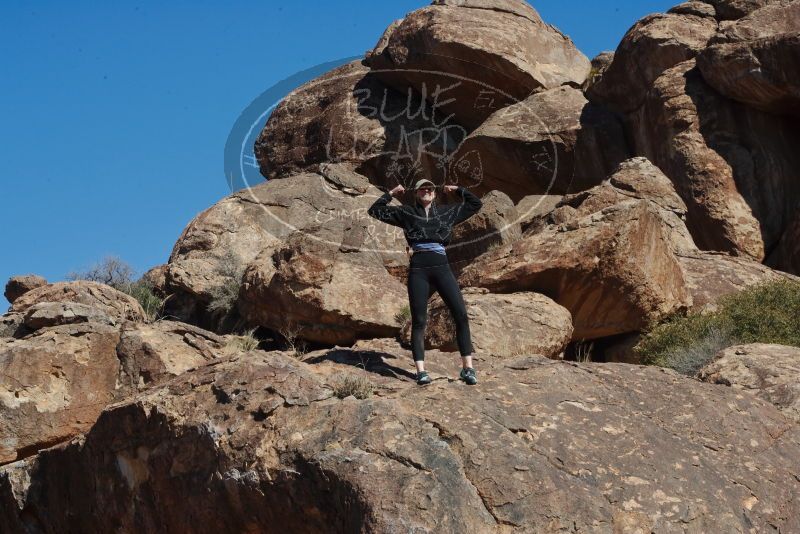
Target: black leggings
x=429 y=272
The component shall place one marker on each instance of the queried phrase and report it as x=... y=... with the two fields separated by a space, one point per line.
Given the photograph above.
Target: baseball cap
x=422 y=182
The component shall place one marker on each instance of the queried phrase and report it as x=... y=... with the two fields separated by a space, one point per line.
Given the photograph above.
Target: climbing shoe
x=423 y=378
x=468 y=375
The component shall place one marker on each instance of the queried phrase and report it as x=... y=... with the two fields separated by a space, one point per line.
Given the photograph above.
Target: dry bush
x=356 y=385
x=224 y=297
x=244 y=342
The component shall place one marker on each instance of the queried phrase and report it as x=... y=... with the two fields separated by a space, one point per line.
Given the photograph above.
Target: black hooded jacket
x=434 y=227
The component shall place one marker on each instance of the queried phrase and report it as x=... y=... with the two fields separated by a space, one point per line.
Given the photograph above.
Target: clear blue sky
x=114 y=119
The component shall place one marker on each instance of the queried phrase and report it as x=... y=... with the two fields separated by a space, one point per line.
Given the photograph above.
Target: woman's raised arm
x=469 y=206
x=381 y=210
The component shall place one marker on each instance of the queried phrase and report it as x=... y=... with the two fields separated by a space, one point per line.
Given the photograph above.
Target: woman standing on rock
x=427 y=227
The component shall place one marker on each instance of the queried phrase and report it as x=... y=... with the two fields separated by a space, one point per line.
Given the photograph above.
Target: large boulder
x=755 y=60
x=19 y=285
x=324 y=285
x=613 y=269
x=712 y=275
x=54 y=385
x=697 y=8
x=348 y=116
x=771 y=372
x=503 y=325
x=149 y=353
x=653 y=45
x=607 y=255
x=553 y=142
x=733 y=166
x=216 y=247
x=44 y=314
x=636 y=178
x=260 y=443
x=617 y=256
x=55 y=382
x=471 y=58
x=111 y=302
x=736 y=9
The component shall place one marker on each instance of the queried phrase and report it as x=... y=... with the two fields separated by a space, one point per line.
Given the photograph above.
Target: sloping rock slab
x=259 y=444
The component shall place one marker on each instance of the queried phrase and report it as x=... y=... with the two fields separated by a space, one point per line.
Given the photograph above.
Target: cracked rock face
x=53 y=385
x=707 y=93
x=258 y=442
x=732 y=165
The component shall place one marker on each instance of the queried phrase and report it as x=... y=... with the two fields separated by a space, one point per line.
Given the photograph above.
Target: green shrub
x=764 y=313
x=144 y=292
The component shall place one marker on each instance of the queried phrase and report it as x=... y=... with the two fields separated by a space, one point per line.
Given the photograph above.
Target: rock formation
x=504 y=326
x=553 y=142
x=258 y=442
x=707 y=94
x=473 y=58
x=348 y=116
x=68 y=360
x=732 y=165
x=654 y=44
x=770 y=372
x=753 y=59
x=617 y=256
x=216 y=248
x=113 y=303
x=19 y=285
x=651 y=182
